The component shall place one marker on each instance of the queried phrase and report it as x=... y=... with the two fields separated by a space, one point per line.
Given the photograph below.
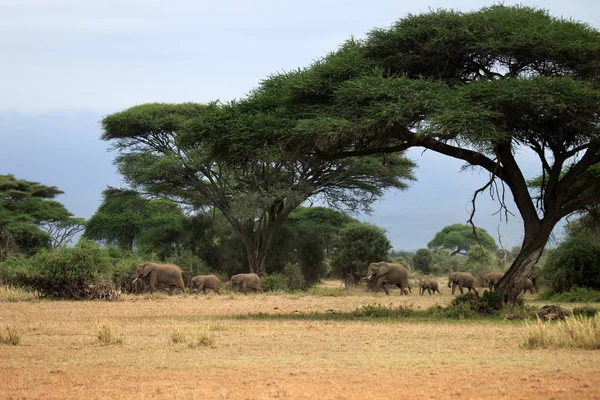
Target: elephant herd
x=172 y=276
x=381 y=274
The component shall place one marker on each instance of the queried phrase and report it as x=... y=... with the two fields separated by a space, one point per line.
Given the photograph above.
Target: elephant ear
x=383 y=269
x=148 y=267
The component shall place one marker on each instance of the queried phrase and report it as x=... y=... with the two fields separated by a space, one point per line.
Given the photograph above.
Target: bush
x=85 y=271
x=469 y=304
x=575 y=263
x=290 y=280
x=589 y=312
x=576 y=295
x=274 y=283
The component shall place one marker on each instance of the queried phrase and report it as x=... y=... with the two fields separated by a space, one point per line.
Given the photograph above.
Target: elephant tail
x=179 y=283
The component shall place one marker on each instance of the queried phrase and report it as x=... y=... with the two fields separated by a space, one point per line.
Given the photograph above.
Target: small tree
x=30 y=218
x=422 y=261
x=459 y=238
x=358 y=244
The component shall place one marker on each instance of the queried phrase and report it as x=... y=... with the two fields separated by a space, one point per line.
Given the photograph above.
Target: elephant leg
x=384 y=286
x=244 y=289
x=216 y=291
x=153 y=280
x=204 y=290
x=460 y=288
x=491 y=287
x=171 y=290
x=453 y=288
x=429 y=291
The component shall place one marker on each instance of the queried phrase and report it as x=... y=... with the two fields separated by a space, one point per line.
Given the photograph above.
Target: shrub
x=575 y=263
x=10 y=336
x=589 y=312
x=574 y=332
x=85 y=271
x=274 y=283
x=291 y=279
x=575 y=295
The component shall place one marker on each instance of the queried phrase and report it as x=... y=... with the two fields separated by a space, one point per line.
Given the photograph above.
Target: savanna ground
x=198 y=347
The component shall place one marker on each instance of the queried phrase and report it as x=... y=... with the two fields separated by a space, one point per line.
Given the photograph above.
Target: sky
x=66 y=64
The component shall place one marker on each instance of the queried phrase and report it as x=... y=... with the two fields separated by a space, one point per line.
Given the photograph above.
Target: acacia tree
x=185 y=152
x=477 y=86
x=30 y=218
x=459 y=238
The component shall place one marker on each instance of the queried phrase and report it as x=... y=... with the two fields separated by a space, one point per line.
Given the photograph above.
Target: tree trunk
x=511 y=284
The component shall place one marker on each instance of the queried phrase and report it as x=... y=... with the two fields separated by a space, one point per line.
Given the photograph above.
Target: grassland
x=157 y=346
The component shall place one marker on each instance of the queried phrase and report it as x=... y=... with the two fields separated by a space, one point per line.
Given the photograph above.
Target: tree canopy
x=477 y=86
x=459 y=238
x=183 y=152
x=30 y=218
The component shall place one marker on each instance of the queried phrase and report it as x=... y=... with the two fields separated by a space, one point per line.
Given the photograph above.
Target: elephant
x=388 y=273
x=536 y=271
x=245 y=281
x=491 y=279
x=462 y=280
x=431 y=285
x=529 y=286
x=203 y=282
x=167 y=274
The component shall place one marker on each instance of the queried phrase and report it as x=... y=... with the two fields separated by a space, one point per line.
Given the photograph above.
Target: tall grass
x=576 y=332
x=10 y=336
x=108 y=335
x=14 y=294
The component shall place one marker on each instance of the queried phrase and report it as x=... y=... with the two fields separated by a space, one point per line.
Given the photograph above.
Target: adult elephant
x=245 y=282
x=383 y=273
x=535 y=274
x=167 y=274
x=491 y=279
x=462 y=280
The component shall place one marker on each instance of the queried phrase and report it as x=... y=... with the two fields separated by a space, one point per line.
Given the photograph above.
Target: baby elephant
x=528 y=286
x=245 y=282
x=203 y=282
x=431 y=285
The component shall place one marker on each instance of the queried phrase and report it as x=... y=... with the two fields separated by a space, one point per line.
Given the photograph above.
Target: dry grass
x=10 y=336
x=574 y=332
x=261 y=359
x=12 y=294
x=108 y=334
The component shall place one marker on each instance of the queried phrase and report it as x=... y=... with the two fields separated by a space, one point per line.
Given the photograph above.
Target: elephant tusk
x=135 y=280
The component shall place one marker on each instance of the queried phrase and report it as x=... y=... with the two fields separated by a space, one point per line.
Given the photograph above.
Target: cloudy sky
x=68 y=63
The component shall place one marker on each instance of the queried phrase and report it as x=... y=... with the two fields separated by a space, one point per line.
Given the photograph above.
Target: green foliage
x=191 y=265
x=184 y=152
x=422 y=261
x=126 y=219
x=30 y=218
x=459 y=239
x=444 y=263
x=575 y=295
x=575 y=262
x=480 y=260
x=289 y=280
x=274 y=283
x=587 y=311
x=358 y=244
x=467 y=305
x=80 y=272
